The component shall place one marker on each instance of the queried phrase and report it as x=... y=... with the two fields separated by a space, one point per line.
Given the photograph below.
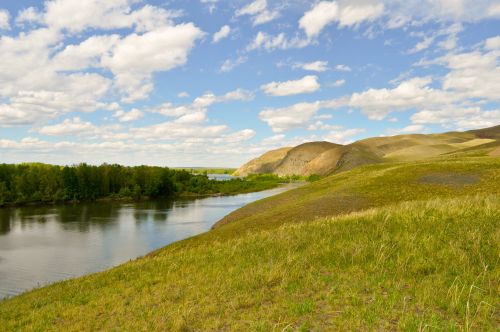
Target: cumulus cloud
x=345 y=14
x=4 y=20
x=450 y=42
x=221 y=34
x=129 y=116
x=338 y=83
x=269 y=42
x=29 y=15
x=410 y=129
x=136 y=57
x=456 y=117
x=259 y=12
x=307 y=84
x=69 y=127
x=418 y=11
x=378 y=103
x=343 y=136
x=492 y=43
x=103 y=14
x=295 y=116
x=317 y=66
x=201 y=103
x=43 y=75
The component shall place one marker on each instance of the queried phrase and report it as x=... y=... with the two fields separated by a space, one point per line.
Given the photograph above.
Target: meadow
x=403 y=246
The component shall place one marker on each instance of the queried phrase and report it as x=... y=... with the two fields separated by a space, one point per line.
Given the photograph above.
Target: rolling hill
x=398 y=246
x=324 y=158
x=390 y=246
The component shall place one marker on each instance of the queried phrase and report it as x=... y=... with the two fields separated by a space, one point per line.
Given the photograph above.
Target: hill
x=266 y=163
x=389 y=246
x=324 y=158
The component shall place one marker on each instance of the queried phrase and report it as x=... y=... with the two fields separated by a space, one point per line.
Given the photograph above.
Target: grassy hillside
x=406 y=246
x=372 y=186
x=325 y=158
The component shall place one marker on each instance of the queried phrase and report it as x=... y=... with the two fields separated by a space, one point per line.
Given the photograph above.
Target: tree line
x=35 y=182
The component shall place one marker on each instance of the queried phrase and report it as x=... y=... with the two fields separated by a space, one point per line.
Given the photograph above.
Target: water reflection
x=43 y=244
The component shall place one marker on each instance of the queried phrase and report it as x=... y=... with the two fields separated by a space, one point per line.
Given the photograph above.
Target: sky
x=214 y=83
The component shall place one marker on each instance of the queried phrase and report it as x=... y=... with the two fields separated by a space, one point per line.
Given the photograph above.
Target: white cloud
x=136 y=57
x=42 y=77
x=211 y=4
x=237 y=137
x=494 y=10
x=338 y=83
x=265 y=16
x=418 y=11
x=422 y=45
x=69 y=127
x=415 y=92
x=323 y=117
x=344 y=68
x=29 y=15
x=270 y=42
x=320 y=125
x=318 y=66
x=129 y=116
x=4 y=20
x=411 y=129
x=201 y=103
x=353 y=15
x=492 y=43
x=221 y=34
x=259 y=12
x=346 y=14
x=86 y=54
x=183 y=94
x=307 y=84
x=473 y=75
x=343 y=136
x=178 y=130
x=252 y=8
x=461 y=118
x=104 y=14
x=295 y=116
x=450 y=42
x=320 y=15
x=229 y=64
x=196 y=117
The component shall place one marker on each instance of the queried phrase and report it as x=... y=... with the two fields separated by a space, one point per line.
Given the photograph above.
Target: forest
x=42 y=183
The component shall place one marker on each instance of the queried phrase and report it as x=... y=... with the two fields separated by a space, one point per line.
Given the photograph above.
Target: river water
x=44 y=244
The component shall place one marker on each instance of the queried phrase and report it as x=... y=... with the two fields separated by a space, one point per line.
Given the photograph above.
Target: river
x=40 y=245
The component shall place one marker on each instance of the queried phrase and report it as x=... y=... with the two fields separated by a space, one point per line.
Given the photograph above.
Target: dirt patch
x=449 y=179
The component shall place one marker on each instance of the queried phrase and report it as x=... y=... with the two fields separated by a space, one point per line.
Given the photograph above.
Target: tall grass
x=411 y=266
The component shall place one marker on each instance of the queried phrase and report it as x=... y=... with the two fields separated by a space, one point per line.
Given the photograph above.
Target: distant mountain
x=324 y=158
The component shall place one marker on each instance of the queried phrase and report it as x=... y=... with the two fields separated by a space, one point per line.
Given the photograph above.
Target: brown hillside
x=266 y=163
x=297 y=159
x=324 y=158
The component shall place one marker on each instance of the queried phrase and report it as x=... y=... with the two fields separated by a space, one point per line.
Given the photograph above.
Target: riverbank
x=193 y=186
x=46 y=244
x=375 y=248
x=41 y=183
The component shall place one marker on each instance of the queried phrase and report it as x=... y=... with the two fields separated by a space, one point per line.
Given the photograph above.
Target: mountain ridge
x=325 y=158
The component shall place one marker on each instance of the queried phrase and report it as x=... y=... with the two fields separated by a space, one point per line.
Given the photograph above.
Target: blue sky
x=216 y=82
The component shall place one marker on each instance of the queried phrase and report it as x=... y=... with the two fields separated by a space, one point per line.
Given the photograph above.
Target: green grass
x=375 y=248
